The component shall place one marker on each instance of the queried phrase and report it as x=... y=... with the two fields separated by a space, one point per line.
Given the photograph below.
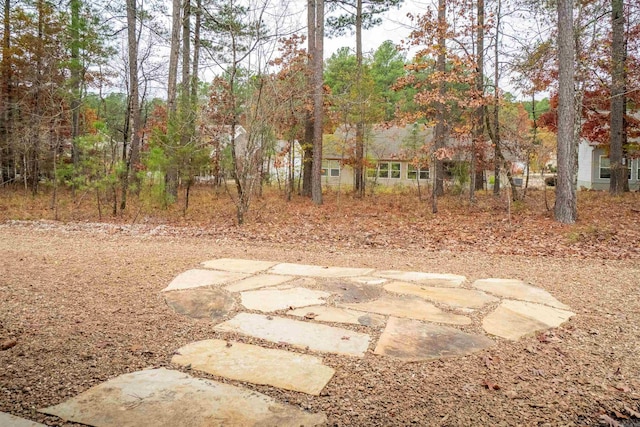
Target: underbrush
x=208 y=204
x=607 y=227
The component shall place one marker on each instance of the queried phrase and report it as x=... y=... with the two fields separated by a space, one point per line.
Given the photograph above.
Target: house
x=394 y=155
x=594 y=171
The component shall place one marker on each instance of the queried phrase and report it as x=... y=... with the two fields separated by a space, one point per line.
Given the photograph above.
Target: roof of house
x=381 y=142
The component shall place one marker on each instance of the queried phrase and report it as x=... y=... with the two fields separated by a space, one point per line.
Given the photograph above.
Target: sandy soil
x=84 y=305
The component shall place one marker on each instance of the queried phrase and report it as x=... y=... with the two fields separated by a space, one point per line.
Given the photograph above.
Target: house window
x=417 y=173
x=605 y=168
x=386 y=170
x=395 y=170
x=330 y=167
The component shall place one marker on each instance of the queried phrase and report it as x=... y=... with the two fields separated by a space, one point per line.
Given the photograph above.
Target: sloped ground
x=82 y=302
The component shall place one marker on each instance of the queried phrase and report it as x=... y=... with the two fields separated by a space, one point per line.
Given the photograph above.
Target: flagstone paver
x=8 y=420
x=455 y=297
x=517 y=289
x=348 y=291
x=369 y=280
x=298 y=333
x=409 y=307
x=431 y=279
x=412 y=340
x=257 y=282
x=401 y=302
x=199 y=303
x=257 y=365
x=198 y=277
x=325 y=313
x=268 y=300
x=318 y=270
x=238 y=265
x=515 y=319
x=162 y=397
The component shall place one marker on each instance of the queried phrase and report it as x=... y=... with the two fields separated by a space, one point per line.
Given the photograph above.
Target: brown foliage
x=607 y=227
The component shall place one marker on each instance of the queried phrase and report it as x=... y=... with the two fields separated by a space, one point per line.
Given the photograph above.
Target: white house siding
x=585 y=162
x=589 y=167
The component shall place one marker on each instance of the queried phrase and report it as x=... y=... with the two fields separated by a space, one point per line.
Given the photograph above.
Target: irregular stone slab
x=432 y=279
x=256 y=282
x=412 y=340
x=517 y=289
x=162 y=397
x=348 y=292
x=318 y=271
x=515 y=319
x=300 y=334
x=369 y=280
x=195 y=278
x=268 y=300
x=238 y=265
x=257 y=365
x=200 y=303
x=325 y=313
x=454 y=297
x=8 y=420
x=412 y=308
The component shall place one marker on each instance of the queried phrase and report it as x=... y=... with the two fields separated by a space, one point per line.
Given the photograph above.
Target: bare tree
x=133 y=108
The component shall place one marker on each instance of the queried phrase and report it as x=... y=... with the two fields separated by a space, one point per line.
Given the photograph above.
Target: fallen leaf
x=7 y=344
x=490 y=385
x=488 y=362
x=622 y=387
x=608 y=421
x=631 y=412
x=620 y=416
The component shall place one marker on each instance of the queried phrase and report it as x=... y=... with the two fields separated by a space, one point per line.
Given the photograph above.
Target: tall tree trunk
x=76 y=80
x=498 y=158
x=478 y=129
x=619 y=178
x=307 y=156
x=318 y=105
x=566 y=198
x=440 y=128
x=171 y=176
x=172 y=85
x=196 y=57
x=134 y=119
x=32 y=157
x=186 y=55
x=359 y=164
x=6 y=152
x=307 y=159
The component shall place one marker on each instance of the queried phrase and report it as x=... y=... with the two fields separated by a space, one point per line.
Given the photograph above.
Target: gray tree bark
x=478 y=128
x=619 y=179
x=359 y=165
x=440 y=128
x=134 y=118
x=172 y=84
x=566 y=198
x=318 y=104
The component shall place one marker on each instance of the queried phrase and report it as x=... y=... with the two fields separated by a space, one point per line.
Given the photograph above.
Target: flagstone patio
x=411 y=316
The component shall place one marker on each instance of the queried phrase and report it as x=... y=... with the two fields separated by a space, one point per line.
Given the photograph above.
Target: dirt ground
x=82 y=302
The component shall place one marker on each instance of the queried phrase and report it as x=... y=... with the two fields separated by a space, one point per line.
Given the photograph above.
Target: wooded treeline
x=145 y=99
